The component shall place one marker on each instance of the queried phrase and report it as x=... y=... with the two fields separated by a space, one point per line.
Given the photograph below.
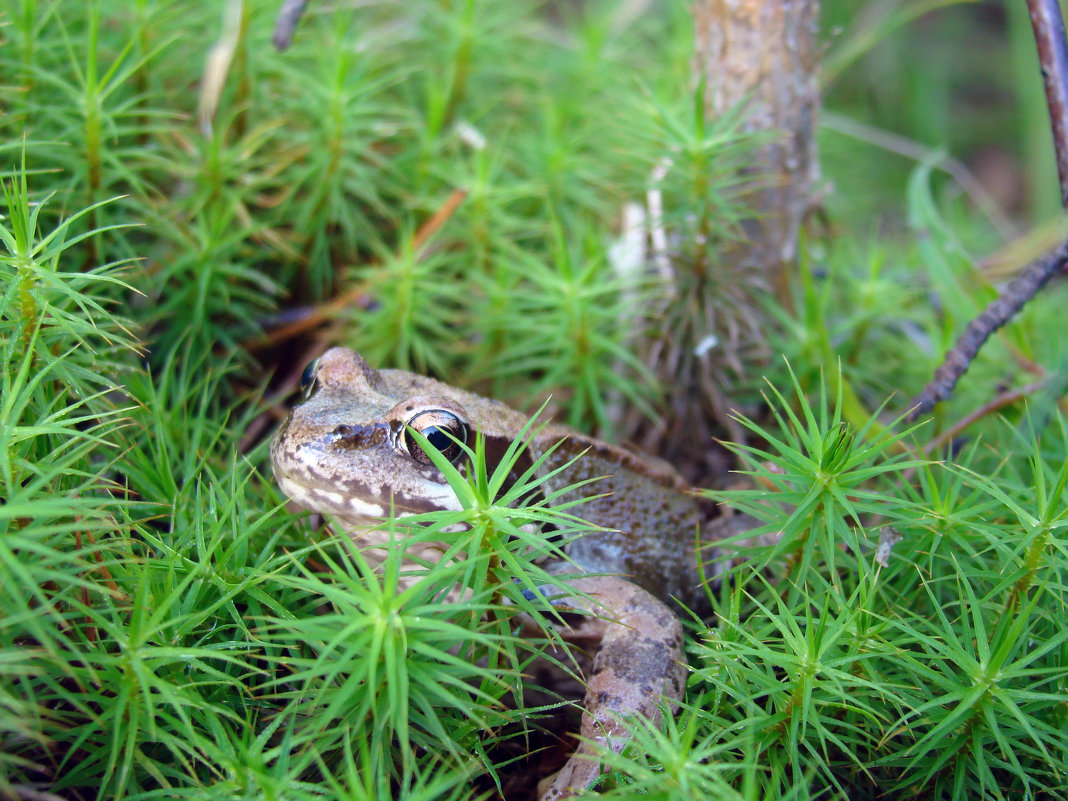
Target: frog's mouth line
x=351 y=507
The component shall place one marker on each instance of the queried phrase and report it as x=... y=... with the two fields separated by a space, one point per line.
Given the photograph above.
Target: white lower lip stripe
x=333 y=502
x=351 y=504
x=321 y=500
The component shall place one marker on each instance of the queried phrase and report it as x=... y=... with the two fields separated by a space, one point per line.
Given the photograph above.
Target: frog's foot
x=638 y=662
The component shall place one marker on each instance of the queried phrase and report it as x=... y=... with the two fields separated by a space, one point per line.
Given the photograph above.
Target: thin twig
x=1000 y=402
x=312 y=317
x=358 y=295
x=103 y=568
x=1048 y=27
x=90 y=629
x=440 y=217
x=1020 y=290
x=286 y=23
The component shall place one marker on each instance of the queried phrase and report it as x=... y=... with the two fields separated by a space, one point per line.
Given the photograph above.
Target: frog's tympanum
x=347 y=451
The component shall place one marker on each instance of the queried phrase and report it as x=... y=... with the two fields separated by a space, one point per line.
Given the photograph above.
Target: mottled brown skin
x=342 y=452
x=639 y=661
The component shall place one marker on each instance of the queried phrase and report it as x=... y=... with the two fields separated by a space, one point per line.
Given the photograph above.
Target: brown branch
x=1048 y=27
x=286 y=23
x=312 y=317
x=1006 y=398
x=439 y=218
x=1020 y=290
x=315 y=316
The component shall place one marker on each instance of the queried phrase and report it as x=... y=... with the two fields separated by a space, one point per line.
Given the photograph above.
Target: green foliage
x=564 y=325
x=825 y=472
x=937 y=669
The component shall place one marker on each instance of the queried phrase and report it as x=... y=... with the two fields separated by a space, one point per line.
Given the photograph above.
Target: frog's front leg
x=638 y=662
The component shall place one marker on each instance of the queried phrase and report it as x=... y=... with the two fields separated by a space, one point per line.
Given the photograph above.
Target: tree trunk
x=763 y=53
x=761 y=56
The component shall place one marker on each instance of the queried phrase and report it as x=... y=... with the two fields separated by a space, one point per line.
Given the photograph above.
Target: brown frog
x=347 y=451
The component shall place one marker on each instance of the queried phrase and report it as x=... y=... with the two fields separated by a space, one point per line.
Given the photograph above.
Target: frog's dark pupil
x=444 y=432
x=438 y=437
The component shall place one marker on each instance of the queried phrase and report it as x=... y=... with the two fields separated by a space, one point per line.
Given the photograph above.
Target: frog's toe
x=637 y=664
x=580 y=772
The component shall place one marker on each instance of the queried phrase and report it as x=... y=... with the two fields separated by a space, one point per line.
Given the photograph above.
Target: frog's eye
x=443 y=430
x=307 y=378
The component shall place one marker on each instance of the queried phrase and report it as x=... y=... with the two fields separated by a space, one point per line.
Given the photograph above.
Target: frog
x=348 y=451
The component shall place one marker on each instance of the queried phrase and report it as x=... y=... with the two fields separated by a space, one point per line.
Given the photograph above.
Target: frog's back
x=649 y=518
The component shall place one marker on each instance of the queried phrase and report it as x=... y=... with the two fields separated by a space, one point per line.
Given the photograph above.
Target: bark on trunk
x=764 y=53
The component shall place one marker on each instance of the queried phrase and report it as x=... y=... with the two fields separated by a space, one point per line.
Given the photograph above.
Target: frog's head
x=348 y=451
